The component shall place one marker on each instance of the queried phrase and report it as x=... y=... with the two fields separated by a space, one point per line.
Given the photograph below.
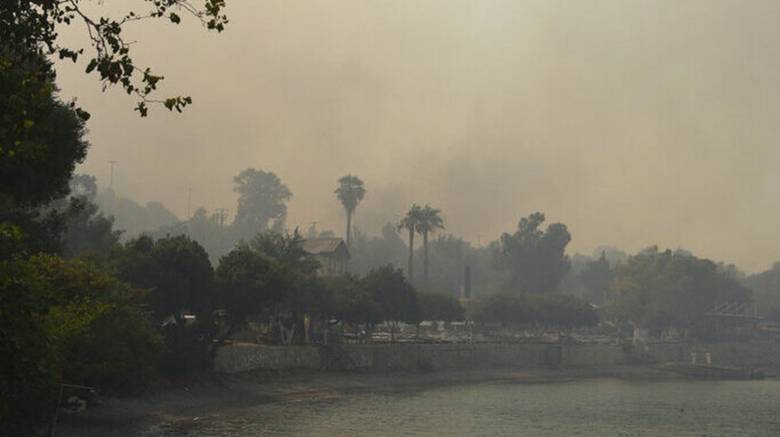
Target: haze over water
x=591 y=407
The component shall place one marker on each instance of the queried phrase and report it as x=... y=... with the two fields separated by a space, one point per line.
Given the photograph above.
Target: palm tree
x=430 y=221
x=350 y=192
x=410 y=223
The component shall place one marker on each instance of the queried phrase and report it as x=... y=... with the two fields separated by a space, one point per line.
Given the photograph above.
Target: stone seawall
x=451 y=356
x=247 y=356
x=383 y=357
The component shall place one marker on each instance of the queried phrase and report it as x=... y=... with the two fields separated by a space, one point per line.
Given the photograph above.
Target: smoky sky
x=633 y=122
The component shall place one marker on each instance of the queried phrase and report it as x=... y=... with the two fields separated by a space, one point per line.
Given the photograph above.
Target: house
x=332 y=254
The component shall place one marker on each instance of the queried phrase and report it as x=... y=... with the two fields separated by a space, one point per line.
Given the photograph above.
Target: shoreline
x=218 y=393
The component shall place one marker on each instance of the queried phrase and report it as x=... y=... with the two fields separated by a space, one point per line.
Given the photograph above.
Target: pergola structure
x=733 y=317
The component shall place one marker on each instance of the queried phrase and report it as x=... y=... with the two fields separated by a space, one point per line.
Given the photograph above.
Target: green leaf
x=91 y=66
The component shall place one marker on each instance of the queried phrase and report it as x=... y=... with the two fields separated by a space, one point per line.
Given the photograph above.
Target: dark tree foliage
x=550 y=311
x=534 y=260
x=250 y=283
x=87 y=230
x=40 y=229
x=176 y=270
x=350 y=192
x=262 y=201
x=28 y=367
x=70 y=227
x=561 y=311
x=508 y=309
x=104 y=336
x=41 y=138
x=658 y=290
x=274 y=276
x=32 y=28
x=596 y=278
x=393 y=293
x=286 y=248
x=178 y=274
x=766 y=288
x=439 y=307
x=119 y=351
x=305 y=294
x=352 y=303
x=66 y=321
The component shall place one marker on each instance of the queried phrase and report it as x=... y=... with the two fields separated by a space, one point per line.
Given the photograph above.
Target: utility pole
x=111 y=177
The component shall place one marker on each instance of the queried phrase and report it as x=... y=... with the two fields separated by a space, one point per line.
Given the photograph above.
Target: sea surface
x=590 y=407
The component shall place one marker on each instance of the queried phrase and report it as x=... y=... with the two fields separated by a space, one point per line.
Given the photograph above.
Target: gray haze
x=633 y=122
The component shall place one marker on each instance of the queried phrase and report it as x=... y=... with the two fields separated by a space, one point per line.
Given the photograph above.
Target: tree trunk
x=286 y=334
x=306 y=326
x=425 y=259
x=411 y=255
x=392 y=332
x=349 y=240
x=349 y=229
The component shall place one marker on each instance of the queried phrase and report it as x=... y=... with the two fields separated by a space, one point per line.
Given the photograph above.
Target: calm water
x=595 y=407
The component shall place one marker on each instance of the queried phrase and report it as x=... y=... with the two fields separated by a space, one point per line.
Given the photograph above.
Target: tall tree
x=410 y=222
x=534 y=260
x=430 y=221
x=262 y=199
x=176 y=269
x=252 y=283
x=350 y=192
x=395 y=296
x=41 y=137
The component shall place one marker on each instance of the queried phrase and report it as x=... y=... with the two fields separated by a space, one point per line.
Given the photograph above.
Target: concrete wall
x=247 y=356
x=594 y=355
x=452 y=356
x=382 y=357
x=243 y=357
